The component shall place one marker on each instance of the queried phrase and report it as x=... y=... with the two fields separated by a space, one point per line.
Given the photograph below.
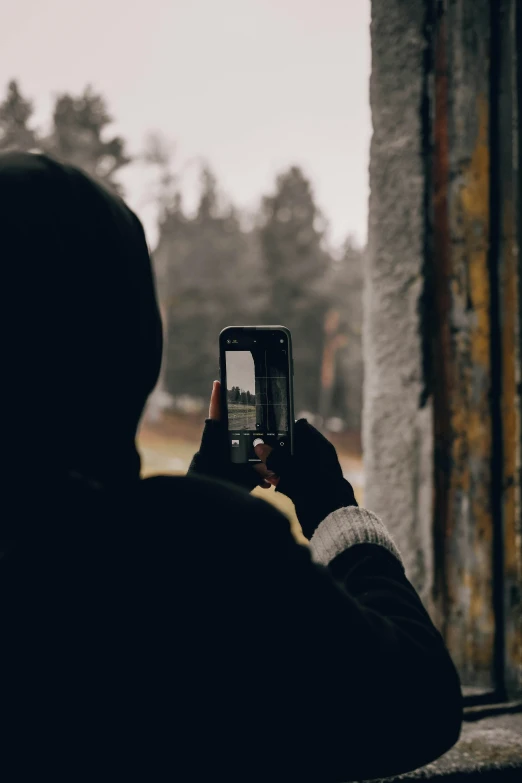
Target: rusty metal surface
x=441 y=350
x=508 y=217
x=476 y=349
x=463 y=516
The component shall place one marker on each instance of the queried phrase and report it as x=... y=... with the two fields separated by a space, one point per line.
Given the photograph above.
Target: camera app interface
x=257 y=397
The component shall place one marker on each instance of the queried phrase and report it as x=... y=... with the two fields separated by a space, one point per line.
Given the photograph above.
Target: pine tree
x=158 y=153
x=16 y=111
x=344 y=399
x=77 y=136
x=209 y=199
x=296 y=267
x=211 y=280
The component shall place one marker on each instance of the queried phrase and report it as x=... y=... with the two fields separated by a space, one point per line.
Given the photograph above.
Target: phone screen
x=258 y=390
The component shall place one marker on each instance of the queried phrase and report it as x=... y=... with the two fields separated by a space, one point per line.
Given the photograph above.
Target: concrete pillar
x=397 y=420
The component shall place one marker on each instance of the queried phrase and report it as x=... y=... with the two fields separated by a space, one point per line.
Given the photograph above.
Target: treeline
x=235 y=394
x=214 y=268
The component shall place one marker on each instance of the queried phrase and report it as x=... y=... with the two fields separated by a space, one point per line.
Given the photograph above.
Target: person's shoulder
x=197 y=491
x=209 y=509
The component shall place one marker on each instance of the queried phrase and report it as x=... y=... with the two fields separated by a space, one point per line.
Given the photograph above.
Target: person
x=172 y=627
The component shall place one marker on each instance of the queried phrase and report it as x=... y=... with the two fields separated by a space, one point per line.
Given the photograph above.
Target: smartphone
x=257 y=394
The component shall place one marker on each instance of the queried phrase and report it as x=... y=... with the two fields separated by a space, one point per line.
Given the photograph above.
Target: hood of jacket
x=81 y=331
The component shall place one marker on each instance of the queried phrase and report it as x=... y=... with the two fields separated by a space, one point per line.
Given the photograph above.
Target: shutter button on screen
x=258 y=442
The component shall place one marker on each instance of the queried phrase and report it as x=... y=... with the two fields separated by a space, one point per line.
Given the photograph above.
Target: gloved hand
x=213 y=457
x=312 y=477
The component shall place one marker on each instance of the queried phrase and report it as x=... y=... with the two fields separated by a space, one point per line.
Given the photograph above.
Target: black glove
x=213 y=459
x=312 y=477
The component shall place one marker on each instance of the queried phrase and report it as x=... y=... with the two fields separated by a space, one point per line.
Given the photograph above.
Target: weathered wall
x=462 y=382
x=397 y=431
x=441 y=430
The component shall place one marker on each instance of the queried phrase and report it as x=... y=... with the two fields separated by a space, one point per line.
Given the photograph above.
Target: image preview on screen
x=257 y=400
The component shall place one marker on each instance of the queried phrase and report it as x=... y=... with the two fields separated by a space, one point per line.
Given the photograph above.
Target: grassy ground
x=241 y=417
x=168 y=446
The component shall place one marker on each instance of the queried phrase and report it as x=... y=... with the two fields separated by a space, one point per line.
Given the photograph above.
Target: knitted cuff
x=346 y=527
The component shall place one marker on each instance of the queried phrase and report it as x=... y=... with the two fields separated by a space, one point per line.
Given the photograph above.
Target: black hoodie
x=172 y=628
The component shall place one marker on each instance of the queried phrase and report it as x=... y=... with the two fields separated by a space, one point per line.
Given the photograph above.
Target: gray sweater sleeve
x=345 y=528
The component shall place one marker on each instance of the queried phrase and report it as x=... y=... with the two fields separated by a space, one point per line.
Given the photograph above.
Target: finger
x=263 y=471
x=262 y=451
x=214 y=411
x=263 y=476
x=279 y=461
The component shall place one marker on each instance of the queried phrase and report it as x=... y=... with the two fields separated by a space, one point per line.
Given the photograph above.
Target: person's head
x=81 y=331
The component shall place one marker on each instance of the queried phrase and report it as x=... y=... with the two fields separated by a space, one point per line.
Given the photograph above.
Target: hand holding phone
x=214 y=414
x=213 y=457
x=257 y=389
x=251 y=406
x=312 y=477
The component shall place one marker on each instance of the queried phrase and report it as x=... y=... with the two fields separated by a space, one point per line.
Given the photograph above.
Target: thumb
x=214 y=411
x=262 y=451
x=276 y=460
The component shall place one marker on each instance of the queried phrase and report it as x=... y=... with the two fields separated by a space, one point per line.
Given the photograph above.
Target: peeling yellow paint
x=465 y=516
x=471 y=418
x=475 y=192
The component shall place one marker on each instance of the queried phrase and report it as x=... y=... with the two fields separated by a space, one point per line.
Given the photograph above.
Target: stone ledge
x=488 y=750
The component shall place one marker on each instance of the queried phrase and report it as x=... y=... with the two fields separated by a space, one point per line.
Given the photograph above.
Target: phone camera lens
x=281 y=341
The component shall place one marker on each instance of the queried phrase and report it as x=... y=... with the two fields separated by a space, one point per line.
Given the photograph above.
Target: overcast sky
x=250 y=85
x=241 y=371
